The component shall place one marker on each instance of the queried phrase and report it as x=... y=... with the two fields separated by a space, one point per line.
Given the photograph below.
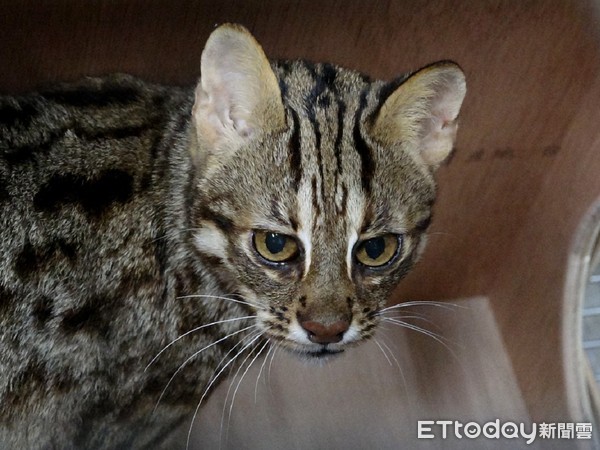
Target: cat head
x=315 y=185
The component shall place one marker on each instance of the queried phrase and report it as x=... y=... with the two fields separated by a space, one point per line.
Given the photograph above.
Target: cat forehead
x=307 y=86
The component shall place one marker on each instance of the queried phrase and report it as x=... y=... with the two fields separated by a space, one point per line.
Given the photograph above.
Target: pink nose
x=325 y=334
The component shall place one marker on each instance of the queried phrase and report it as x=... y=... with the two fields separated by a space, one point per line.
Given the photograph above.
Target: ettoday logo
x=432 y=429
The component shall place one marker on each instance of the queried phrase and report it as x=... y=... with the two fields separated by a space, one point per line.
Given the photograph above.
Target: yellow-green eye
x=275 y=247
x=378 y=251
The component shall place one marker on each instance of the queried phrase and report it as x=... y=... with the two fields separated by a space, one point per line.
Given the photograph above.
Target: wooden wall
x=527 y=164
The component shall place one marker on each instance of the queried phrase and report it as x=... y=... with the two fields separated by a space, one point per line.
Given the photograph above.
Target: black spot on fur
x=67 y=249
x=43 y=309
x=6 y=300
x=85 y=96
x=32 y=260
x=92 y=317
x=24 y=153
x=302 y=301
x=94 y=196
x=28 y=261
x=4 y=195
x=114 y=133
x=12 y=115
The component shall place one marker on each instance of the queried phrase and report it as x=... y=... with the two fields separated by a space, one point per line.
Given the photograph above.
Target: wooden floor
x=524 y=175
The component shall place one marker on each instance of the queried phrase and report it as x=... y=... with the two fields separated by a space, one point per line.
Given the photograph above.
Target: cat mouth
x=324 y=352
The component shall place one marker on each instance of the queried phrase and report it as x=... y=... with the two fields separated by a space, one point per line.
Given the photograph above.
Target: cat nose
x=325 y=334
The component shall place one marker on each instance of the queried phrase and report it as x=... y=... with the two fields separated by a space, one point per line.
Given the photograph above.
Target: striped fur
x=127 y=209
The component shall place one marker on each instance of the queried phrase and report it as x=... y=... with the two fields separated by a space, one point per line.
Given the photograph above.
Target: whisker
x=382 y=351
x=218 y=297
x=391 y=353
x=233 y=381
x=262 y=366
x=412 y=316
x=215 y=378
x=186 y=362
x=417 y=328
x=239 y=384
x=443 y=305
x=397 y=364
x=243 y=342
x=429 y=333
x=277 y=347
x=218 y=322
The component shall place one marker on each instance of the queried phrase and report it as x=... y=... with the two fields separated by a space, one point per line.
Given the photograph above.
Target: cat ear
x=422 y=112
x=238 y=94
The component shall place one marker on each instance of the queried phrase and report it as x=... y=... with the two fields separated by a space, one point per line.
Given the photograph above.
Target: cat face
x=315 y=185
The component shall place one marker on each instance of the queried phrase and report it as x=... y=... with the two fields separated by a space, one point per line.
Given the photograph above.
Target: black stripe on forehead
x=321 y=84
x=364 y=150
x=295 y=149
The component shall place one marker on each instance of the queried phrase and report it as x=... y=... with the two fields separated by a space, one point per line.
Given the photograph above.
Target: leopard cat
x=150 y=235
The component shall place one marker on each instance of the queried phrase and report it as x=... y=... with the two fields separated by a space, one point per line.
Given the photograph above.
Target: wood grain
x=528 y=155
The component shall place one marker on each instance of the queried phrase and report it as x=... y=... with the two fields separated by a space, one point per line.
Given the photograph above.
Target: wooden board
x=527 y=163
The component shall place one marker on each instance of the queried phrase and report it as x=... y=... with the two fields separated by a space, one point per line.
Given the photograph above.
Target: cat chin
x=316 y=357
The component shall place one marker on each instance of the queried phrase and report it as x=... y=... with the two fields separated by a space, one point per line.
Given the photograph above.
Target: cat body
x=282 y=202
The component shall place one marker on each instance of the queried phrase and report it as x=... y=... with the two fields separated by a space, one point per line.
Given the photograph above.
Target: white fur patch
x=209 y=239
x=355 y=213
x=305 y=217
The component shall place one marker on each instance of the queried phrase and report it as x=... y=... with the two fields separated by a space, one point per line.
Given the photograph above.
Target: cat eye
x=275 y=247
x=378 y=251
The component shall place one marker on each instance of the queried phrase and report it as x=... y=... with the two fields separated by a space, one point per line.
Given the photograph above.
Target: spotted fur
x=121 y=202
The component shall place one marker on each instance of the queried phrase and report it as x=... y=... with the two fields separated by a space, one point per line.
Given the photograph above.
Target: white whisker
x=382 y=351
x=218 y=322
x=186 y=362
x=233 y=379
x=239 y=384
x=277 y=346
x=431 y=334
x=417 y=328
x=411 y=316
x=214 y=379
x=443 y=305
x=218 y=297
x=262 y=366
